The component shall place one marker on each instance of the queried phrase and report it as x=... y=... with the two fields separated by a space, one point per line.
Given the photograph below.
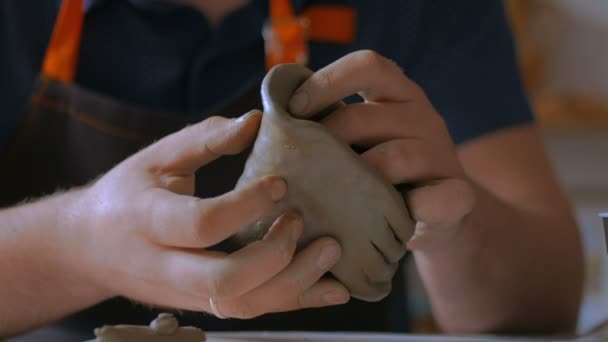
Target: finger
x=185 y=221
x=368 y=124
x=445 y=201
x=411 y=161
x=288 y=290
x=326 y=292
x=365 y=72
x=371 y=123
x=185 y=151
x=225 y=276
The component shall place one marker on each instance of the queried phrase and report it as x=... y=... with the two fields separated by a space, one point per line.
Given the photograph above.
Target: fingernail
x=336 y=297
x=298 y=102
x=329 y=256
x=246 y=116
x=278 y=188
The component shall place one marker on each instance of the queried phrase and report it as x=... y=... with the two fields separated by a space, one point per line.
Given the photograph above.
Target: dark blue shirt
x=166 y=58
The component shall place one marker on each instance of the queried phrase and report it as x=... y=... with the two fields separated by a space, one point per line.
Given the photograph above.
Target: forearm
x=509 y=269
x=37 y=284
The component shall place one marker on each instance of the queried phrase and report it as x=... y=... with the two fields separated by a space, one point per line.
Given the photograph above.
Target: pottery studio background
x=563 y=52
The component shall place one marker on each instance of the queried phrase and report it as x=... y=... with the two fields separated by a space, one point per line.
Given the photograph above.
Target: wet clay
x=335 y=191
x=164 y=328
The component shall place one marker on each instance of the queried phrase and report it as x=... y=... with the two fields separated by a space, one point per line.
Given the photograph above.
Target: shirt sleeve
x=464 y=59
x=25 y=28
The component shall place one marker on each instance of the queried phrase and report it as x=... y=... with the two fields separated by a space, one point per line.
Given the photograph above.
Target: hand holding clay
x=337 y=192
x=404 y=138
x=138 y=232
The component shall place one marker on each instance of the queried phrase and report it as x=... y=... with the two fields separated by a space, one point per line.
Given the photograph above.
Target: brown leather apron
x=71 y=135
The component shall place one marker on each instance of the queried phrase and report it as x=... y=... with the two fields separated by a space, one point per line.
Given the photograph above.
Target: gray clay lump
x=334 y=190
x=165 y=328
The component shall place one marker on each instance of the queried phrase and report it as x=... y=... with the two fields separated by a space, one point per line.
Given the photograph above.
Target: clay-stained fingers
x=219 y=275
x=185 y=221
x=185 y=151
x=371 y=123
x=363 y=72
x=296 y=287
x=411 y=160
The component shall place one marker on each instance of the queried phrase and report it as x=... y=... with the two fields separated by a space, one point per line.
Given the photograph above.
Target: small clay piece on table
x=337 y=193
x=165 y=328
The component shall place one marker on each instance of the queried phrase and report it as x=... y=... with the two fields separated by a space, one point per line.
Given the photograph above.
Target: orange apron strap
x=285 y=37
x=331 y=23
x=281 y=9
x=61 y=56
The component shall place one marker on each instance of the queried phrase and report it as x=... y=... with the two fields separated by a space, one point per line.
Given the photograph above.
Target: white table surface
x=361 y=337
x=53 y=334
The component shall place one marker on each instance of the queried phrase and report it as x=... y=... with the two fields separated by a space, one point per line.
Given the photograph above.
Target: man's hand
x=404 y=137
x=138 y=232
x=496 y=244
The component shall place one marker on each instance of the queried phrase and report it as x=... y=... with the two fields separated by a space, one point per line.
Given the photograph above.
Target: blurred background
x=563 y=53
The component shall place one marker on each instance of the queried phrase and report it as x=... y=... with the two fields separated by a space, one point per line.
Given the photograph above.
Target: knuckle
x=369 y=58
x=323 y=79
x=214 y=122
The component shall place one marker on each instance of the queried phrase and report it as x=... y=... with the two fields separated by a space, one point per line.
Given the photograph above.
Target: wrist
x=32 y=254
x=70 y=232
